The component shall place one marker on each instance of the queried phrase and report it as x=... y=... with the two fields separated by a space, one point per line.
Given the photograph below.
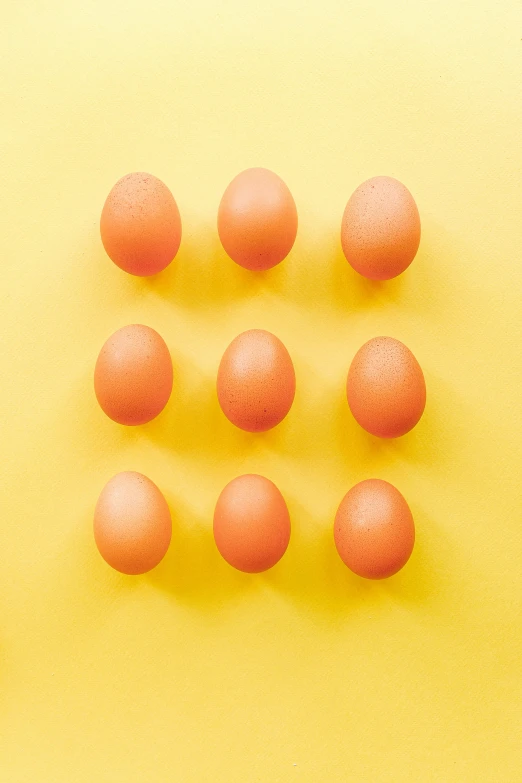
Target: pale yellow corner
x=195 y=673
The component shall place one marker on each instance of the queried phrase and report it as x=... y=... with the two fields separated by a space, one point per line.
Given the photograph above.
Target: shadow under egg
x=193 y=572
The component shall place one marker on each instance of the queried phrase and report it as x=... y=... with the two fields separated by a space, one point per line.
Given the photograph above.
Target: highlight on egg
x=256 y=381
x=257 y=219
x=140 y=224
x=251 y=524
x=133 y=375
x=132 y=523
x=374 y=531
x=380 y=230
x=385 y=388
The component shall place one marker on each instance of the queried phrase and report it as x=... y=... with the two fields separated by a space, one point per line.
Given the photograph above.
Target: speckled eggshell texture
x=140 y=224
x=256 y=381
x=257 y=219
x=374 y=531
x=380 y=231
x=133 y=375
x=385 y=388
x=132 y=523
x=251 y=524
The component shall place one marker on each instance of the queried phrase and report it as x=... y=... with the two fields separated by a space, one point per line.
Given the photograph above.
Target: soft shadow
x=193 y=422
x=311 y=573
x=416 y=582
x=325 y=279
x=350 y=289
x=314 y=577
x=430 y=444
x=204 y=280
x=193 y=572
x=327 y=271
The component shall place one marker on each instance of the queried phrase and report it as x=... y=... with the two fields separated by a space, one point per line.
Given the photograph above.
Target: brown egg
x=256 y=381
x=133 y=375
x=257 y=219
x=380 y=231
x=385 y=388
x=140 y=224
x=374 y=530
x=132 y=524
x=251 y=524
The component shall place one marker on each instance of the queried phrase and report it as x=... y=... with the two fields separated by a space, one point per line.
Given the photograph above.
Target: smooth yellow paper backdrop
x=196 y=673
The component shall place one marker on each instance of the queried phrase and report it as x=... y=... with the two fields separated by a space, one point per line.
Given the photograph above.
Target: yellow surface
x=196 y=673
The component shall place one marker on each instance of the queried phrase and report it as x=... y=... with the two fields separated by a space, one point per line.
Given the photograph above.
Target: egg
x=140 y=224
x=256 y=381
x=132 y=523
x=380 y=231
x=385 y=388
x=257 y=219
x=133 y=375
x=374 y=531
x=251 y=524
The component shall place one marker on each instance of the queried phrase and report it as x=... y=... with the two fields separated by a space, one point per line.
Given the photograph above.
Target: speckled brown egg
x=256 y=381
x=385 y=388
x=140 y=224
x=133 y=375
x=132 y=523
x=374 y=531
x=380 y=231
x=257 y=219
x=251 y=524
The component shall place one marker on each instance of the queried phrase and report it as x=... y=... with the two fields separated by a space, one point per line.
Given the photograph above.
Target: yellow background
x=195 y=672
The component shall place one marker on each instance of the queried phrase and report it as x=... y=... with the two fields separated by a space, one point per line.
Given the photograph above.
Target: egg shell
x=385 y=388
x=132 y=523
x=140 y=224
x=257 y=219
x=256 y=381
x=251 y=524
x=133 y=375
x=374 y=531
x=380 y=230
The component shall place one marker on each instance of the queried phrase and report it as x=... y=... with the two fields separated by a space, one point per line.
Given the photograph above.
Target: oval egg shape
x=132 y=523
x=140 y=224
x=133 y=375
x=256 y=381
x=380 y=230
x=374 y=531
x=385 y=388
x=257 y=219
x=251 y=524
